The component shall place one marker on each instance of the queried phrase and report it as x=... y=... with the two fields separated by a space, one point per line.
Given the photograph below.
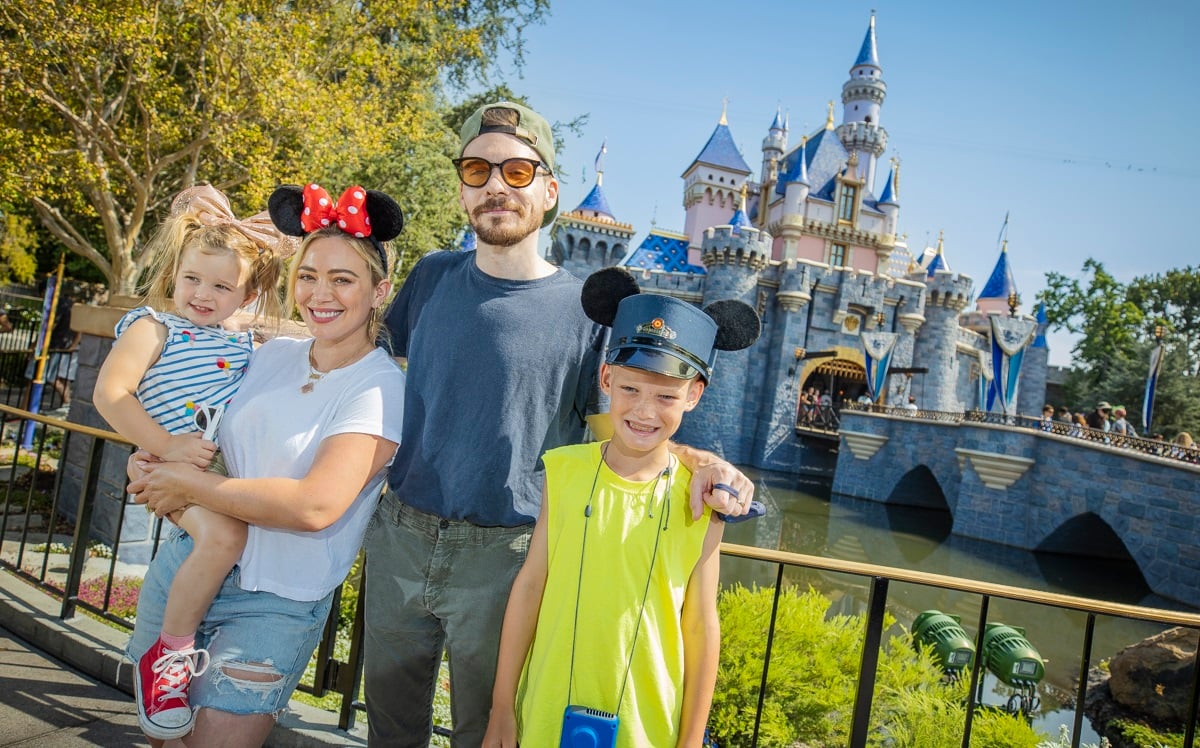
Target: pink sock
x=177 y=643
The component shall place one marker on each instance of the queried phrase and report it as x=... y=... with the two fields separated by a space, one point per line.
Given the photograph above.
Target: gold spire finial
x=829 y=118
x=724 y=110
x=1004 y=247
x=744 y=188
x=803 y=141
x=939 y=247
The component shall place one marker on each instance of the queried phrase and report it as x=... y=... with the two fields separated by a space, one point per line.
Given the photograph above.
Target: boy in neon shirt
x=615 y=607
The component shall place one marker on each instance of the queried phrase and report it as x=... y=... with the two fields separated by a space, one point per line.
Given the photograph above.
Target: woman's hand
x=166 y=487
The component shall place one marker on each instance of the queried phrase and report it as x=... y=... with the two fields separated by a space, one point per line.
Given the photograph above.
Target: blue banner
x=877 y=353
x=1010 y=336
x=1156 y=356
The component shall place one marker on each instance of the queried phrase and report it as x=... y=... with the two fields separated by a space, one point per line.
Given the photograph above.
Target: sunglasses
x=516 y=172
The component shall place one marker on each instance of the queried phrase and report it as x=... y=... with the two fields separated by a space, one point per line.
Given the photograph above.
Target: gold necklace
x=315 y=375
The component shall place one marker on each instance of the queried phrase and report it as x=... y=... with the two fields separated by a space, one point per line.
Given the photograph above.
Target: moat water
x=808 y=519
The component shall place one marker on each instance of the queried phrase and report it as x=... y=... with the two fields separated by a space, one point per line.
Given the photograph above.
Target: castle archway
x=842 y=378
x=919 y=487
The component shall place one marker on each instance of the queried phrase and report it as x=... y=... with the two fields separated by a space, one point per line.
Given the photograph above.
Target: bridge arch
x=1085 y=534
x=919 y=487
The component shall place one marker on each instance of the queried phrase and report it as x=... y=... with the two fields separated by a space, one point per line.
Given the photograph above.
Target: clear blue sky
x=1078 y=119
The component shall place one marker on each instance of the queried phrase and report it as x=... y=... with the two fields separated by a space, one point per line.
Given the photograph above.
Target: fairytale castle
x=811 y=242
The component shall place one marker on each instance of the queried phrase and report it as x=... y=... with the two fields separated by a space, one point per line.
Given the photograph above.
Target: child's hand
x=191 y=448
x=501 y=730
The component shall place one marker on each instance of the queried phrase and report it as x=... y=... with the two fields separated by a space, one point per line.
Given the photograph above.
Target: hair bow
x=211 y=208
x=297 y=211
x=349 y=212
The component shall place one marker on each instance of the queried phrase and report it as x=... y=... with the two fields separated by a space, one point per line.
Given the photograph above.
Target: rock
x=1153 y=678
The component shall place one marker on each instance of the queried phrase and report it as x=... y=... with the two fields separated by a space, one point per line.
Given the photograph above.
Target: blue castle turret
x=946 y=296
x=725 y=422
x=590 y=237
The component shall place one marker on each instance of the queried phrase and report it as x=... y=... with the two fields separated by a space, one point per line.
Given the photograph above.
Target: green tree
x=109 y=108
x=17 y=262
x=1173 y=300
x=1116 y=323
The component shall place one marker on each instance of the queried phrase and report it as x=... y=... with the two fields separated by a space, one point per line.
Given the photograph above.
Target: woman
x=308 y=437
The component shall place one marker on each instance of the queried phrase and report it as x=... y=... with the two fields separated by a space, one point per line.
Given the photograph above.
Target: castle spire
x=829 y=117
x=724 y=111
x=868 y=54
x=862 y=99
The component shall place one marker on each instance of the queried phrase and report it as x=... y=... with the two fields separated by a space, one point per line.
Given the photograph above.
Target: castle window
x=837 y=255
x=847 y=199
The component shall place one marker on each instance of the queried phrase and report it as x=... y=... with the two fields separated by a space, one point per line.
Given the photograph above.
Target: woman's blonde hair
x=365 y=248
x=1184 y=439
x=185 y=231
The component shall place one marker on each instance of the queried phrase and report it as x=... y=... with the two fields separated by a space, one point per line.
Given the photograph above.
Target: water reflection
x=810 y=520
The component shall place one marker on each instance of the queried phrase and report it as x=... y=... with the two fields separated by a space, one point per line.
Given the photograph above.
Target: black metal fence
x=50 y=539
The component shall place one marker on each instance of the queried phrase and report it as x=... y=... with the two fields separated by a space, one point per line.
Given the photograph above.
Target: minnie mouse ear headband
x=211 y=208
x=367 y=214
x=662 y=334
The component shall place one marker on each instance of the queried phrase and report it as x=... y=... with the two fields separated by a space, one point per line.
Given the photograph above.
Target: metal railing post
x=1085 y=664
x=83 y=522
x=762 y=688
x=975 y=670
x=872 y=638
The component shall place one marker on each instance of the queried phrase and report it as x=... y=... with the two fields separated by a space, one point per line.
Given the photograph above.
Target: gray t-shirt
x=499 y=371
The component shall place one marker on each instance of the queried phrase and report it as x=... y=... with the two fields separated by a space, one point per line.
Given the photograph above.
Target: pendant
x=307 y=388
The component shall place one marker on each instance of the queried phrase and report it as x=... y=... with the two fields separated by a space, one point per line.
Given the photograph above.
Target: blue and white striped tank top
x=198 y=365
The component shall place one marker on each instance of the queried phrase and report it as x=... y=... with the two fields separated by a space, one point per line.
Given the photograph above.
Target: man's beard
x=498 y=233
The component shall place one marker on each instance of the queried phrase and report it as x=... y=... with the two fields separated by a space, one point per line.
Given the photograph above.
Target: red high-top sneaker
x=161 y=686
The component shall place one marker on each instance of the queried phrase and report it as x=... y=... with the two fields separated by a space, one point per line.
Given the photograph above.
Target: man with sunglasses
x=502 y=365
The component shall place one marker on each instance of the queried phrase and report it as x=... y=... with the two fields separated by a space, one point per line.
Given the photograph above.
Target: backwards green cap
x=530 y=127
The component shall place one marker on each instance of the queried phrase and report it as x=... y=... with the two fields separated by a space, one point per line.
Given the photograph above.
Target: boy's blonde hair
x=186 y=230
x=366 y=249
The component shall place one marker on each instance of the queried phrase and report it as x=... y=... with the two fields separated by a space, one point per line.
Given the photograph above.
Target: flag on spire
x=1003 y=230
x=599 y=163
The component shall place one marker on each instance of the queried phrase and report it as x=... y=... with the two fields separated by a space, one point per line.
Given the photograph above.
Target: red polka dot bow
x=348 y=213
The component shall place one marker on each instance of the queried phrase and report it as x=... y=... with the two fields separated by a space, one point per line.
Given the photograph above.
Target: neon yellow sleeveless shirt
x=620 y=544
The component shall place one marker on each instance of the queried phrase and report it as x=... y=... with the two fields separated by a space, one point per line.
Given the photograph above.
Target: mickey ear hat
x=286 y=206
x=662 y=334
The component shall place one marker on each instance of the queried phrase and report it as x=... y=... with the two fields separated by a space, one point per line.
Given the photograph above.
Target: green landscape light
x=1009 y=656
x=952 y=648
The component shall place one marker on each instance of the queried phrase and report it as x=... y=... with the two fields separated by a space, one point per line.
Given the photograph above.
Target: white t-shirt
x=274 y=430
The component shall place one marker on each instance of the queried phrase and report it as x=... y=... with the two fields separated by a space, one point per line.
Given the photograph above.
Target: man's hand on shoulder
x=711 y=485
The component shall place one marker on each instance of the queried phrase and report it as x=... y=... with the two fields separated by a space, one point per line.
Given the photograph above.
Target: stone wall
x=1034 y=490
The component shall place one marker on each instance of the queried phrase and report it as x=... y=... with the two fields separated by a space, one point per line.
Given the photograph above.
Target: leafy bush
x=1144 y=737
x=813 y=679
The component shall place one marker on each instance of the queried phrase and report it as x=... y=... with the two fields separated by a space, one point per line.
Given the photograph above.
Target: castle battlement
x=730 y=245
x=949 y=290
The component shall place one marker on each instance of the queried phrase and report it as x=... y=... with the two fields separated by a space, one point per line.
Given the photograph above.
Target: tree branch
x=58 y=225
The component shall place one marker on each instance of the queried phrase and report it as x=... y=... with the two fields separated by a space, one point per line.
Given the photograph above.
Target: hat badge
x=657 y=327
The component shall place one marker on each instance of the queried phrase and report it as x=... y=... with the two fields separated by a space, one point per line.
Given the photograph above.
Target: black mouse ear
x=387 y=220
x=738 y=324
x=603 y=291
x=285 y=206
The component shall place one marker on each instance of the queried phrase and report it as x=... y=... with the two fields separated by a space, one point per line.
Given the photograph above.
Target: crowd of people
x=415 y=427
x=1106 y=421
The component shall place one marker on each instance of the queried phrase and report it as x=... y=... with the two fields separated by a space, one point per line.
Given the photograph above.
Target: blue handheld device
x=756 y=509
x=584 y=727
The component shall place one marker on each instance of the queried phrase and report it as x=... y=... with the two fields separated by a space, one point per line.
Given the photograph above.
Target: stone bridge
x=1035 y=490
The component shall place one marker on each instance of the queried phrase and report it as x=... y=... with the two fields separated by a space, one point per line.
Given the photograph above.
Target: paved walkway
x=66 y=683
x=45 y=703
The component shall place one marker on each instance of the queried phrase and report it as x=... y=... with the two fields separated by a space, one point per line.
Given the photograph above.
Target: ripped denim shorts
x=254 y=632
